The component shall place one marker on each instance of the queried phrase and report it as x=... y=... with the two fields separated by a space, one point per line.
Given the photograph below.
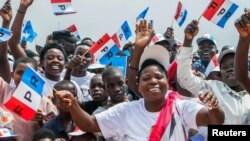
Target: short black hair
x=30 y=53
x=44 y=133
x=60 y=83
x=151 y=62
x=25 y=60
x=53 y=45
x=110 y=71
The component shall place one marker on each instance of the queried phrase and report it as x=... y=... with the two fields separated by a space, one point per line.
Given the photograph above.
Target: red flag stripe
x=105 y=38
x=212 y=8
x=26 y=112
x=60 y=1
x=178 y=11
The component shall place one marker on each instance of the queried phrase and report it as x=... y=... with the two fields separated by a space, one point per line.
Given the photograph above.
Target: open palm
x=144 y=34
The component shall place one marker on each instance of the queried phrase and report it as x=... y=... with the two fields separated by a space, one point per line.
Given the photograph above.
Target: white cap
x=156 y=52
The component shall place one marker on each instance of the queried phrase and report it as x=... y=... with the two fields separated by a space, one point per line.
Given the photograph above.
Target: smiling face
x=227 y=70
x=153 y=83
x=97 y=89
x=207 y=50
x=53 y=62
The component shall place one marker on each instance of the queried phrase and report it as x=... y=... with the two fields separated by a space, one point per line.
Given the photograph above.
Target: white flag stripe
x=20 y=93
x=98 y=54
x=217 y=17
x=67 y=7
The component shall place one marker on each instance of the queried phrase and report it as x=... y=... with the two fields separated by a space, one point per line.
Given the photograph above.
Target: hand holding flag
x=26 y=99
x=242 y=24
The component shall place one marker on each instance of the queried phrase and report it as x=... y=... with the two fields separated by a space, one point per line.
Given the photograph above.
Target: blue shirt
x=57 y=127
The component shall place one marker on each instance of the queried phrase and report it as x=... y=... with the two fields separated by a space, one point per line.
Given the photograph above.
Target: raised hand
x=24 y=4
x=66 y=98
x=242 y=24
x=169 y=34
x=191 y=30
x=144 y=33
x=208 y=98
x=6 y=12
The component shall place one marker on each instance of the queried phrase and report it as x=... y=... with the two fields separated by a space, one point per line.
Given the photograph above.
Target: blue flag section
x=142 y=14
x=126 y=30
x=227 y=15
x=5 y=34
x=32 y=79
x=120 y=62
x=109 y=55
x=28 y=32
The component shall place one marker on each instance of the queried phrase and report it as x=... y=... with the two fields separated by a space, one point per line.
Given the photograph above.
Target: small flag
x=104 y=49
x=213 y=65
x=219 y=11
x=181 y=14
x=5 y=34
x=142 y=14
x=28 y=32
x=157 y=37
x=27 y=97
x=122 y=35
x=62 y=7
x=120 y=62
x=74 y=31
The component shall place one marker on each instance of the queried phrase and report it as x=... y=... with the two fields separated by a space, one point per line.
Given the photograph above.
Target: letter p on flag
x=219 y=11
x=27 y=97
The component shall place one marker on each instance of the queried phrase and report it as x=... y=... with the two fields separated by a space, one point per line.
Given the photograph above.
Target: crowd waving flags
x=62 y=7
x=219 y=11
x=27 y=97
x=5 y=34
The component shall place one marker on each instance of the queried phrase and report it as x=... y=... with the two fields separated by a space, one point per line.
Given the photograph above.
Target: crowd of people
x=169 y=93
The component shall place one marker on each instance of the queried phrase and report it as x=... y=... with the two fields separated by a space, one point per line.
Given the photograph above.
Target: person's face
x=227 y=70
x=96 y=89
x=81 y=50
x=54 y=62
x=195 y=58
x=69 y=87
x=115 y=87
x=206 y=50
x=153 y=83
x=18 y=72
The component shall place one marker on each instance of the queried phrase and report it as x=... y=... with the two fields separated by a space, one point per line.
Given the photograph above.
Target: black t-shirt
x=89 y=106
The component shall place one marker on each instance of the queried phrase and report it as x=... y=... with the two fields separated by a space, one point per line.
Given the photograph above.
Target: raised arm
x=241 y=56
x=82 y=119
x=185 y=75
x=144 y=33
x=16 y=28
x=6 y=14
